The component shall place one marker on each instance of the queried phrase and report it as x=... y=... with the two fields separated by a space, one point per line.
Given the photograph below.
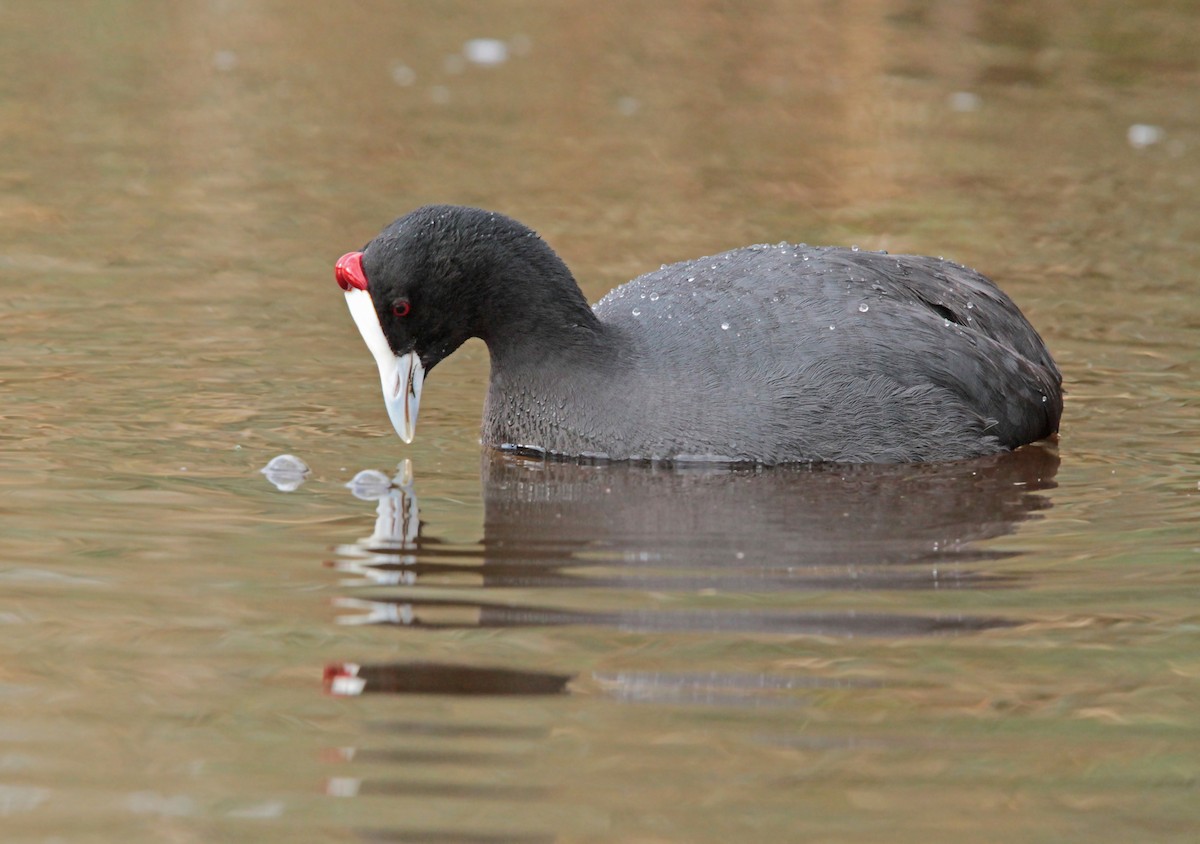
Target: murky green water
x=1001 y=651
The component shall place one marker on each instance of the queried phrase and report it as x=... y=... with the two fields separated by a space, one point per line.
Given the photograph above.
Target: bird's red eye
x=401 y=308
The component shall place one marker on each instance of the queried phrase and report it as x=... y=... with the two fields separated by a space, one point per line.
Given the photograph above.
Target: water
x=506 y=650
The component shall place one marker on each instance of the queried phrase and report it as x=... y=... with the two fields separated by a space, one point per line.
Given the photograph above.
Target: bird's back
x=794 y=353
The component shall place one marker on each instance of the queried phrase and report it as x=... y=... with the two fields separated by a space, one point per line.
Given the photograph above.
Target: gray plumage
x=768 y=354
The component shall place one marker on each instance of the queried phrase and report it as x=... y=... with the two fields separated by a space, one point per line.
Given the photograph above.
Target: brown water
x=1000 y=651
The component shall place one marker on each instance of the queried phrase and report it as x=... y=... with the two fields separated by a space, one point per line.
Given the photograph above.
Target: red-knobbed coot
x=767 y=354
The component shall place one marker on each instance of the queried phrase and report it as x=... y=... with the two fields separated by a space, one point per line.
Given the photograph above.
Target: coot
x=765 y=354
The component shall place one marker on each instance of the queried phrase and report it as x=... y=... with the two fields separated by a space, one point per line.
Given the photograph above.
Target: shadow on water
x=622 y=532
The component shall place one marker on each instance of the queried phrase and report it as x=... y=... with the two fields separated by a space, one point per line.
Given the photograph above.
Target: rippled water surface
x=496 y=649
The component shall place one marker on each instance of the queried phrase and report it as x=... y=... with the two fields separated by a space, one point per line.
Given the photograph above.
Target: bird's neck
x=535 y=315
x=555 y=386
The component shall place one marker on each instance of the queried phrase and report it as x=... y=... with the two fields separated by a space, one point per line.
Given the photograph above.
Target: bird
x=764 y=354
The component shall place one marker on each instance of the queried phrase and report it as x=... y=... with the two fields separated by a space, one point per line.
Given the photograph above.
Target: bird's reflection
x=630 y=535
x=802 y=515
x=562 y=525
x=552 y=526
x=397 y=520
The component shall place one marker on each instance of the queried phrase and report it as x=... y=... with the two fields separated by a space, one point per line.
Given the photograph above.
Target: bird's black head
x=443 y=274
